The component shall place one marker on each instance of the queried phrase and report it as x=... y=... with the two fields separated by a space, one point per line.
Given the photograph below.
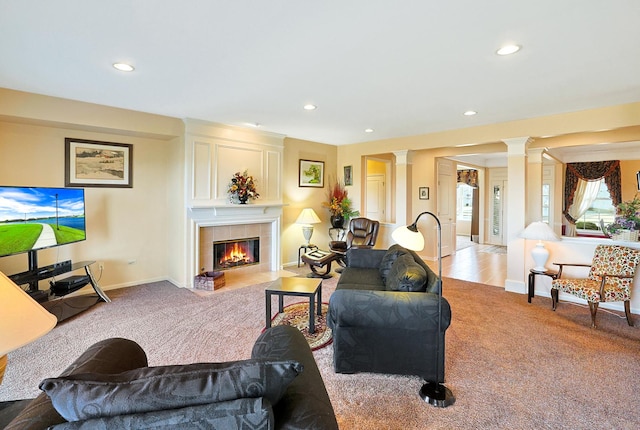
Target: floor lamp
x=434 y=393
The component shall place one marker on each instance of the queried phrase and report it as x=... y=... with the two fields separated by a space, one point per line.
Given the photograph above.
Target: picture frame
x=423 y=193
x=638 y=180
x=311 y=174
x=92 y=163
x=348 y=178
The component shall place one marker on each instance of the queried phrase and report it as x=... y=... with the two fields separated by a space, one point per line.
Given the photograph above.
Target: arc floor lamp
x=432 y=392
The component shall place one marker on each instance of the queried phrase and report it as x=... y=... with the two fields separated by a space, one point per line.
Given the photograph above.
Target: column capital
x=535 y=155
x=517 y=145
x=403 y=156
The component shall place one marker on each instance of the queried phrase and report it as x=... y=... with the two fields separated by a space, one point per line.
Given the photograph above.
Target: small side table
x=553 y=274
x=305 y=247
x=294 y=286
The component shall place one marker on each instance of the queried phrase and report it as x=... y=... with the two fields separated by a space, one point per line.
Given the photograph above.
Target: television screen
x=33 y=218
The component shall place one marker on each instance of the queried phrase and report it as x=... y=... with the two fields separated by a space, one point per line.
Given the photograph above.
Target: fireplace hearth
x=230 y=254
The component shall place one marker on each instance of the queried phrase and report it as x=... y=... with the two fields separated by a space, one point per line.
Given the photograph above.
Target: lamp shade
x=308 y=216
x=22 y=319
x=406 y=237
x=539 y=231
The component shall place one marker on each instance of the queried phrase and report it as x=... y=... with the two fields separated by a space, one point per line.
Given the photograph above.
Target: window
x=602 y=208
x=464 y=205
x=546 y=202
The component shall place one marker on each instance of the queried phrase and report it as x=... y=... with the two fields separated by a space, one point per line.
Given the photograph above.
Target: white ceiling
x=400 y=67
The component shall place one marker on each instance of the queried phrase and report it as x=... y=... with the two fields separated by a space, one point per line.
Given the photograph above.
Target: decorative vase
x=337 y=221
x=243 y=199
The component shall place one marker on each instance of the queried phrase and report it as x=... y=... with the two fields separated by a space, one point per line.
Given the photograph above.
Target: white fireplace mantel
x=233 y=214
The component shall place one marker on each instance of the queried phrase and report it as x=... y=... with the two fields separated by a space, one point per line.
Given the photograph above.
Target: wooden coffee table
x=294 y=286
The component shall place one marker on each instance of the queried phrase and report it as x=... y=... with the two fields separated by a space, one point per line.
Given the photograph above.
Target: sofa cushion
x=356 y=278
x=406 y=275
x=389 y=258
x=91 y=395
x=237 y=414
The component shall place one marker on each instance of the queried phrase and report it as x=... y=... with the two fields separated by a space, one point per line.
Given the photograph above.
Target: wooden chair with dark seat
x=362 y=233
x=610 y=279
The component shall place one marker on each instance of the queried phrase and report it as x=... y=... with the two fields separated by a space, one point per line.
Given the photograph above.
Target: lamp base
x=437 y=395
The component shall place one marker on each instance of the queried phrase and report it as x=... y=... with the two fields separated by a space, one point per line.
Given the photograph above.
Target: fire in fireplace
x=228 y=254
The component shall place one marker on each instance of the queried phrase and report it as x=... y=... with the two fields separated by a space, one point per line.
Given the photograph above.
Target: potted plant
x=627 y=222
x=339 y=205
x=242 y=188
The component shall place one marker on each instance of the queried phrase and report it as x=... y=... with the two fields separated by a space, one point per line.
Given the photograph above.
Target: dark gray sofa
x=384 y=315
x=302 y=403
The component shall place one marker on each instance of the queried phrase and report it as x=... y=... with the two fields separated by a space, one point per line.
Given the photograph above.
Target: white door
x=446 y=203
x=376 y=201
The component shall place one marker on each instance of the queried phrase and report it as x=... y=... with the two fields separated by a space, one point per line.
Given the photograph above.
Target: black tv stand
x=61 y=308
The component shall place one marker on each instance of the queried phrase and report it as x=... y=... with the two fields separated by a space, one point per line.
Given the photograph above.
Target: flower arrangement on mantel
x=242 y=188
x=339 y=205
x=627 y=219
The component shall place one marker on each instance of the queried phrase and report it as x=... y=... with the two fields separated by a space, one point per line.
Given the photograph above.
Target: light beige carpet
x=510 y=364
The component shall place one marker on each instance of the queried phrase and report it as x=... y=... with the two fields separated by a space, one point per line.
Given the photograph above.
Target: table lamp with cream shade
x=539 y=231
x=22 y=319
x=307 y=218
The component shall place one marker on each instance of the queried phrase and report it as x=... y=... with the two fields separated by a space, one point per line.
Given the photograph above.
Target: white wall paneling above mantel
x=215 y=152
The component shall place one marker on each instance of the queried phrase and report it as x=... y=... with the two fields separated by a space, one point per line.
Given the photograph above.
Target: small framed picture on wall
x=348 y=178
x=423 y=193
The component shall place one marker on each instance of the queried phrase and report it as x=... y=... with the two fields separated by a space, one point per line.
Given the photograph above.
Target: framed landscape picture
x=311 y=174
x=90 y=163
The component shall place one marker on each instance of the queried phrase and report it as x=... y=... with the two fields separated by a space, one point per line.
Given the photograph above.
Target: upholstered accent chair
x=610 y=279
x=362 y=233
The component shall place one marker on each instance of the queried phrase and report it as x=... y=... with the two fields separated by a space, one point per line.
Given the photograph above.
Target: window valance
x=592 y=171
x=469 y=177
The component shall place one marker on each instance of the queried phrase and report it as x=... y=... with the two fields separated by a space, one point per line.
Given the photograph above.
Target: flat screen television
x=34 y=218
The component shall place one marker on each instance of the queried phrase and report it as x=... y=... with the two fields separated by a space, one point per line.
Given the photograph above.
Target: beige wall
x=297 y=198
x=133 y=231
x=628 y=170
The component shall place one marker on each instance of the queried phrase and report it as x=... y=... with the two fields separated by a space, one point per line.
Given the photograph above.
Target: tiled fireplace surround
x=229 y=222
x=211 y=234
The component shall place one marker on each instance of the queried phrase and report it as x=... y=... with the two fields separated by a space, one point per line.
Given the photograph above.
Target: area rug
x=493 y=249
x=297 y=315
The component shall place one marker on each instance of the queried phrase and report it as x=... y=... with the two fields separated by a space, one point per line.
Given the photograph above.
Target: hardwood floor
x=485 y=264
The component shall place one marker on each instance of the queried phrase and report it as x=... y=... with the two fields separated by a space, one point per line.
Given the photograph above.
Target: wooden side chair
x=610 y=279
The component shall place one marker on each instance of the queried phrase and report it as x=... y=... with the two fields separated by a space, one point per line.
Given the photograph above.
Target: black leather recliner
x=362 y=233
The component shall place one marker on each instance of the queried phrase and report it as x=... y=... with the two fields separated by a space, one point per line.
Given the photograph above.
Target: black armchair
x=362 y=233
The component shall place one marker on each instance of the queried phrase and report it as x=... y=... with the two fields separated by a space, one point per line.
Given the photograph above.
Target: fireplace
x=229 y=254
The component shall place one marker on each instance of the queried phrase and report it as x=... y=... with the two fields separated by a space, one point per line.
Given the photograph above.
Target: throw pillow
x=254 y=414
x=389 y=258
x=86 y=396
x=406 y=275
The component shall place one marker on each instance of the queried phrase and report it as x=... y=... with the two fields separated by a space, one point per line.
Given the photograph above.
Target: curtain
x=586 y=193
x=469 y=177
x=607 y=170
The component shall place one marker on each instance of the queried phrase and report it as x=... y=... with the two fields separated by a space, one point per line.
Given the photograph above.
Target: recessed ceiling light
x=310 y=107
x=124 y=67
x=253 y=124
x=470 y=113
x=508 y=49
x=368 y=130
